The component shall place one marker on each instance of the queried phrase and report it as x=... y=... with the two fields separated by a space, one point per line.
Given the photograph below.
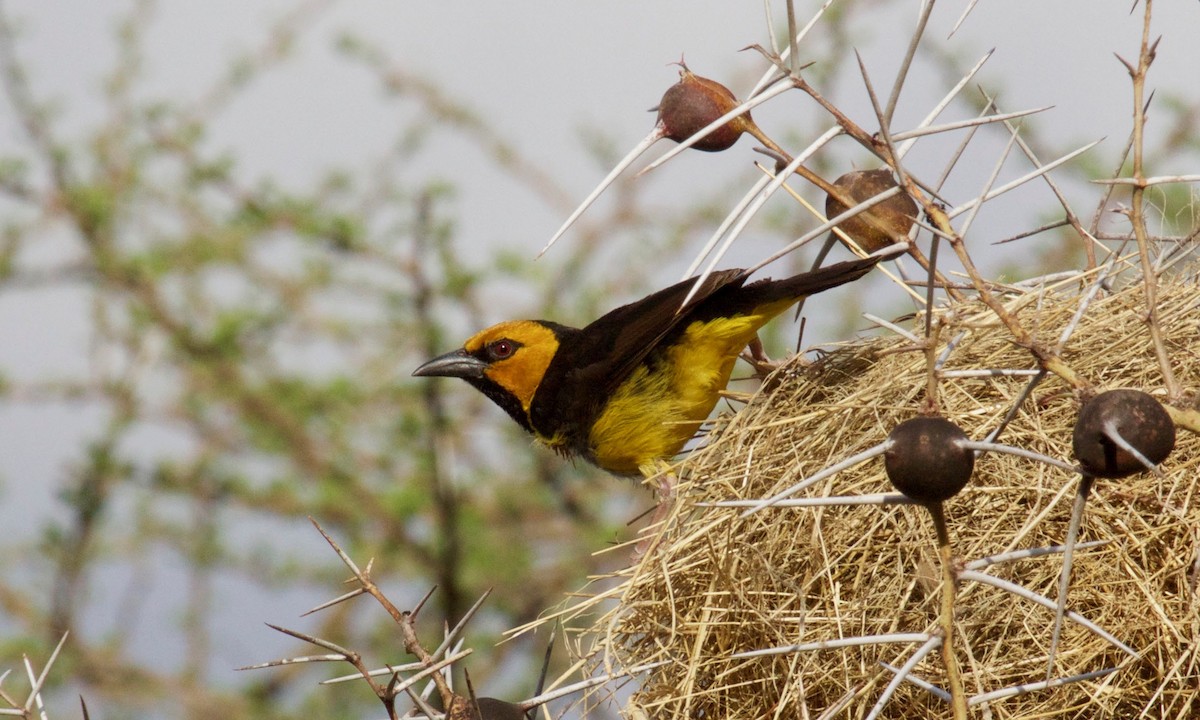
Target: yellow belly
x=659 y=408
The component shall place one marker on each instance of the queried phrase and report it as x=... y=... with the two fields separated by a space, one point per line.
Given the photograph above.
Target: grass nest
x=716 y=583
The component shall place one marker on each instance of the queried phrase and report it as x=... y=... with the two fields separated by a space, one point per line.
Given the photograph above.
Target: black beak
x=453 y=364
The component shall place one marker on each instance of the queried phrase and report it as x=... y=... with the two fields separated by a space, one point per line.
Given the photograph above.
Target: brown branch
x=958 y=696
x=1071 y=218
x=1137 y=211
x=783 y=158
x=404 y=620
x=1048 y=360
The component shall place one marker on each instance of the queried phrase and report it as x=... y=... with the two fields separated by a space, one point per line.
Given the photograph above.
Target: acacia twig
x=1137 y=211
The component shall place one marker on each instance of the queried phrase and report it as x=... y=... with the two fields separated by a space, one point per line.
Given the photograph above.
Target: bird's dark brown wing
x=593 y=361
x=737 y=299
x=626 y=335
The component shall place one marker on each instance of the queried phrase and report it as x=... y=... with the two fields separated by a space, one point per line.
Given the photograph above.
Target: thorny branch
x=1137 y=211
x=938 y=216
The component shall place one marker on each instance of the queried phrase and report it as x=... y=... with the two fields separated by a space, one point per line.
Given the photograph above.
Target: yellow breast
x=661 y=406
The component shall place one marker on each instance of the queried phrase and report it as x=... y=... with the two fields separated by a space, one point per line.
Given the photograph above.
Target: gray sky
x=540 y=71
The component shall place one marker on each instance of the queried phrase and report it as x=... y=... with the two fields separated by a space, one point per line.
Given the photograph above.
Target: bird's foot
x=653 y=529
x=758 y=359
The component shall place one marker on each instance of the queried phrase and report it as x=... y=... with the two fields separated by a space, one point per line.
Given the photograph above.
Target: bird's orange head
x=506 y=362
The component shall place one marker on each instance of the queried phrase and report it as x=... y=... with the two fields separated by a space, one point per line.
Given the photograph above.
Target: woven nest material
x=717 y=584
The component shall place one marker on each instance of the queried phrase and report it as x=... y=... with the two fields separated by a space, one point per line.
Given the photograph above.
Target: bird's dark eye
x=502 y=349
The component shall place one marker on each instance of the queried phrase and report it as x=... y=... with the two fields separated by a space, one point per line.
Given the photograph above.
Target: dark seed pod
x=870 y=228
x=926 y=461
x=691 y=104
x=1137 y=417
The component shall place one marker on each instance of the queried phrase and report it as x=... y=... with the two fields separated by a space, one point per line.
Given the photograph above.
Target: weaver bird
x=629 y=390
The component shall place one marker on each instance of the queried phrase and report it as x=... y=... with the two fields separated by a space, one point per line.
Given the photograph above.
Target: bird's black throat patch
x=503 y=398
